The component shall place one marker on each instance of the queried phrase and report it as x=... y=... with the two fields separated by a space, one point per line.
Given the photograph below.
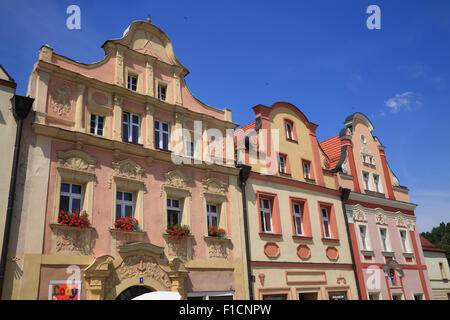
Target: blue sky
x=318 y=55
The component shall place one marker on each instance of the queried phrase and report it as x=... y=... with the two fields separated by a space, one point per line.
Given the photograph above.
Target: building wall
x=8 y=135
x=438 y=279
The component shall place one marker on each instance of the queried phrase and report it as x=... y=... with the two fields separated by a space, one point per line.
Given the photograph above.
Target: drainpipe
x=345 y=193
x=21 y=106
x=243 y=176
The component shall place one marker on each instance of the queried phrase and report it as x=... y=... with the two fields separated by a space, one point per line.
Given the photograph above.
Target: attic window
x=132 y=82
x=363 y=139
x=162 y=92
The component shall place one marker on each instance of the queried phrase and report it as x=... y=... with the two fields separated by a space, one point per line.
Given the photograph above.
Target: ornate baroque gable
x=214 y=186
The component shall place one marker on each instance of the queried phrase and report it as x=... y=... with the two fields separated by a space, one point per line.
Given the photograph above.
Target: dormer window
x=132 y=82
x=289 y=130
x=162 y=92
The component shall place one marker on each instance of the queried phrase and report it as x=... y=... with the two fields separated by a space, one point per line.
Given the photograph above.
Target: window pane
x=76 y=189
x=125 y=132
x=165 y=142
x=268 y=222
x=128 y=211
x=134 y=134
x=157 y=141
x=165 y=127
x=298 y=224
x=135 y=119
x=175 y=203
x=76 y=204
x=119 y=195
x=64 y=203
x=118 y=211
x=65 y=187
x=327 y=230
x=127 y=196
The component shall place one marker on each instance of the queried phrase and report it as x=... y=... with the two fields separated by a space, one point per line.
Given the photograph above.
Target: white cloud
x=406 y=101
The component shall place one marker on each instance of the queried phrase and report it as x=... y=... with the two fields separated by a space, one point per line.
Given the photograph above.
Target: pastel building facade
x=297 y=238
x=382 y=226
x=105 y=138
x=437 y=268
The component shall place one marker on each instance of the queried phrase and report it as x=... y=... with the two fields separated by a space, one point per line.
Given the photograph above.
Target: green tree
x=440 y=237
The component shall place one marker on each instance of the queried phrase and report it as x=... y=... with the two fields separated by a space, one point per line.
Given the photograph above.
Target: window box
x=127 y=224
x=213 y=238
x=214 y=231
x=74 y=219
x=135 y=232
x=178 y=232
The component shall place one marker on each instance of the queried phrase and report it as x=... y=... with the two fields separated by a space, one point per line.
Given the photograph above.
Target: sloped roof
x=428 y=246
x=332 y=148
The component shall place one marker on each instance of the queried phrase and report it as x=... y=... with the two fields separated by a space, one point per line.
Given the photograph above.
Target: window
x=71 y=198
x=212 y=215
x=289 y=131
x=282 y=164
x=97 y=124
x=342 y=295
x=266 y=214
x=162 y=92
x=404 y=241
x=374 y=296
x=124 y=204
x=306 y=170
x=363 y=237
x=173 y=212
x=131 y=127
x=226 y=295
x=189 y=149
x=397 y=296
x=392 y=278
x=162 y=135
x=383 y=236
x=376 y=182
x=308 y=296
x=297 y=213
x=275 y=297
x=442 y=270
x=326 y=223
x=366 y=180
x=418 y=296
x=363 y=139
x=132 y=82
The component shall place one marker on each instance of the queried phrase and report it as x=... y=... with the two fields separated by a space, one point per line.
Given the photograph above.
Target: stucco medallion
x=271 y=249
x=332 y=253
x=303 y=251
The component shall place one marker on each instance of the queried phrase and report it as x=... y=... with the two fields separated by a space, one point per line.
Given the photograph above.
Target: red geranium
x=177 y=231
x=75 y=219
x=127 y=223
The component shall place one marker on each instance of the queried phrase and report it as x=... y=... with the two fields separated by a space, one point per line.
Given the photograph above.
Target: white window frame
x=207 y=295
x=366 y=182
x=327 y=219
x=289 y=130
x=96 y=124
x=377 y=184
x=171 y=207
x=71 y=195
x=211 y=215
x=124 y=203
x=159 y=128
x=297 y=215
x=362 y=231
x=263 y=214
x=130 y=125
x=306 y=170
x=189 y=146
x=130 y=85
x=385 y=247
x=160 y=86
x=405 y=245
x=282 y=163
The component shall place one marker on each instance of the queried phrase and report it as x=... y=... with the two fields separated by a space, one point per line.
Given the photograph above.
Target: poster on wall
x=64 y=290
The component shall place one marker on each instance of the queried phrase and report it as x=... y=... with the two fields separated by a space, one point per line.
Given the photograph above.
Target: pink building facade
x=104 y=139
x=382 y=226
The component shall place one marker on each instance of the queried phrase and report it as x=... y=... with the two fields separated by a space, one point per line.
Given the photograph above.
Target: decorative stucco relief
x=71 y=241
x=61 y=97
x=76 y=160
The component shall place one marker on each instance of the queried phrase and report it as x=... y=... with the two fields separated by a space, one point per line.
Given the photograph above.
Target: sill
x=166 y=235
x=367 y=253
x=137 y=232
x=304 y=238
x=330 y=240
x=387 y=253
x=310 y=180
x=270 y=235
x=164 y=150
x=292 y=140
x=369 y=165
x=67 y=227
x=134 y=143
x=374 y=193
x=213 y=238
x=408 y=254
x=285 y=174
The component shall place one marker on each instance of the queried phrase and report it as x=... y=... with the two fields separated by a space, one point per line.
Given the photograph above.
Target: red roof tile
x=332 y=147
x=428 y=246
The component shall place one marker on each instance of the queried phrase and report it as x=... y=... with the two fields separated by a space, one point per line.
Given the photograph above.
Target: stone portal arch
x=133 y=292
x=138 y=264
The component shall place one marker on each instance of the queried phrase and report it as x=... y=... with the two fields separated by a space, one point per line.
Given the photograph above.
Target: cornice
x=120 y=147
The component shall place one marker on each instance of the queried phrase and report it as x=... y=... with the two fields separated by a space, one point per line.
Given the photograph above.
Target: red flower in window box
x=214 y=231
x=127 y=224
x=74 y=219
x=177 y=231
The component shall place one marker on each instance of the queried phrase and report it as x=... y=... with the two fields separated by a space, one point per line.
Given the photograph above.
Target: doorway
x=133 y=292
